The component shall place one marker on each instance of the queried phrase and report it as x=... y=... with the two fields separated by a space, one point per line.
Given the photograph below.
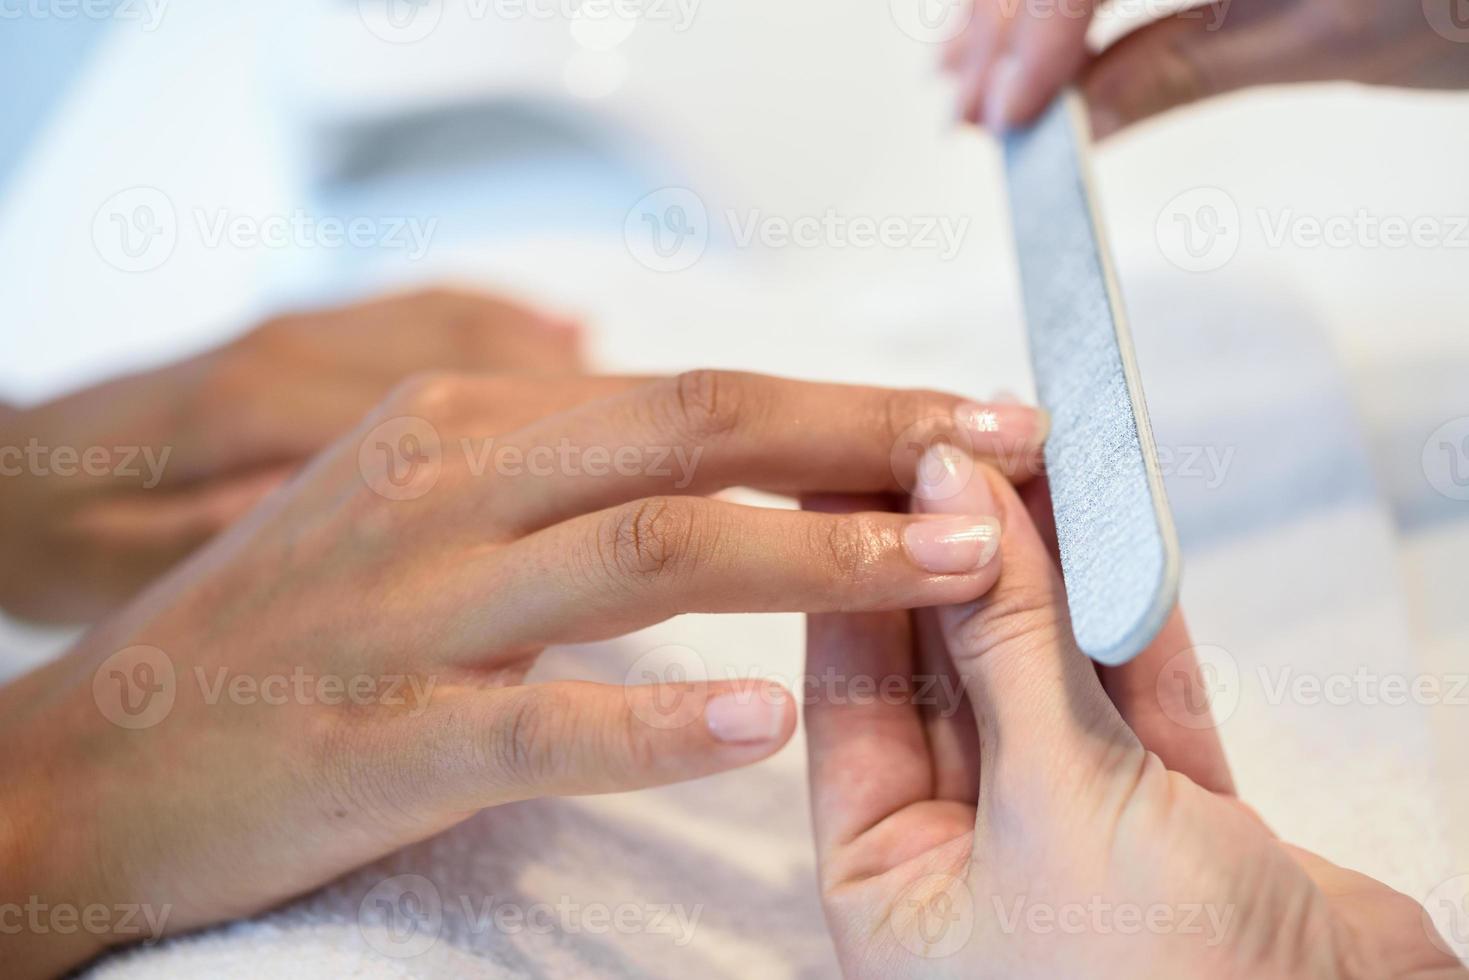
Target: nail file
x=1119 y=552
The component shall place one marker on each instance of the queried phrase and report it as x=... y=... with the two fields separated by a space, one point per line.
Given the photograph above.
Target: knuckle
x=914 y=419
x=705 y=404
x=852 y=545
x=1006 y=618
x=428 y=394
x=648 y=539
x=525 y=741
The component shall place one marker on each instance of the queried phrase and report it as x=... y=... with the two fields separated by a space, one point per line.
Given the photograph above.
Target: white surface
x=794 y=109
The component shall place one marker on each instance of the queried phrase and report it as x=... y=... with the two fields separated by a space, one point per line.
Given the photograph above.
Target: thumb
x=1201 y=52
x=571 y=738
x=1037 y=699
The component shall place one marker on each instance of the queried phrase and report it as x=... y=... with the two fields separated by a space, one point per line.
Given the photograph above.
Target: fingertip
x=756 y=716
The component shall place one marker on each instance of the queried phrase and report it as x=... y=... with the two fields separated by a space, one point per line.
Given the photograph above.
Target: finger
x=1156 y=693
x=947 y=715
x=472 y=749
x=324 y=370
x=604 y=574
x=707 y=430
x=1036 y=698
x=1200 y=53
x=390 y=337
x=972 y=55
x=460 y=405
x=868 y=757
x=1046 y=50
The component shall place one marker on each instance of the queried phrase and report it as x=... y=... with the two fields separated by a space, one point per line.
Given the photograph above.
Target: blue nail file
x=1119 y=552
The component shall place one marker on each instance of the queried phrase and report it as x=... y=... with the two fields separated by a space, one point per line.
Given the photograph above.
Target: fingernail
x=953 y=545
x=1003 y=90
x=1003 y=429
x=747 y=716
x=964 y=489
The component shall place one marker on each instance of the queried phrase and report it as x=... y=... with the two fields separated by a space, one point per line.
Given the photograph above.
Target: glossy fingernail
x=747 y=716
x=952 y=545
x=963 y=488
x=1003 y=427
x=1004 y=90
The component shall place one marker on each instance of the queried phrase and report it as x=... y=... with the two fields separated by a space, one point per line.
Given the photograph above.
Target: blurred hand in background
x=103 y=490
x=1015 y=55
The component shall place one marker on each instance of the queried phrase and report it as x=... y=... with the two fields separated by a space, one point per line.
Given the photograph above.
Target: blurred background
x=699 y=181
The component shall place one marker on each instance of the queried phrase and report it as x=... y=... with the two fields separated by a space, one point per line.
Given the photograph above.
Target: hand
x=342 y=673
x=100 y=492
x=1058 y=823
x=1015 y=55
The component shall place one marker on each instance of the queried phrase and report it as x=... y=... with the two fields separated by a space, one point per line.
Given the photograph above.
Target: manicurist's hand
x=342 y=672
x=1015 y=55
x=1058 y=822
x=103 y=490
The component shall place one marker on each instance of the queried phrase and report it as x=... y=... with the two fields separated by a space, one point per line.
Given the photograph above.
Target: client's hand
x=1016 y=54
x=102 y=491
x=342 y=672
x=1058 y=823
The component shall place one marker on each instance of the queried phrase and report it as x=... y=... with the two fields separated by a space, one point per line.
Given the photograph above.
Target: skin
x=1015 y=55
x=952 y=843
x=180 y=453
x=419 y=570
